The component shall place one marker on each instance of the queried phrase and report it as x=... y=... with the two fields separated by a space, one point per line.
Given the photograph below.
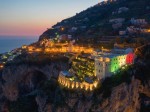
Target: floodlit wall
x=130 y=58
x=66 y=82
x=104 y=67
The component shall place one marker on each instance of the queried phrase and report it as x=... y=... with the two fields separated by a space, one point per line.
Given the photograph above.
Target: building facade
x=106 y=65
x=88 y=70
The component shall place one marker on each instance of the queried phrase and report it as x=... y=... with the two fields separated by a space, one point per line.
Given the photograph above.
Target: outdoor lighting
x=81 y=86
x=72 y=85
x=77 y=85
x=1 y=66
x=66 y=84
x=123 y=67
x=95 y=84
x=91 y=87
x=62 y=29
x=24 y=47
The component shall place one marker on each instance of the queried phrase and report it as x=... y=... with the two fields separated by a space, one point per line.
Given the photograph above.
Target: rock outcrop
x=23 y=78
x=124 y=98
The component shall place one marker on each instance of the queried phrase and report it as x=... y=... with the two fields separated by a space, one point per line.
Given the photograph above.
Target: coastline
x=8 y=43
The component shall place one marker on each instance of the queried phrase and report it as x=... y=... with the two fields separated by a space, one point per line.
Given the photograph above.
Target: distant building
x=117 y=25
x=122 y=33
x=117 y=20
x=73 y=29
x=107 y=39
x=122 y=51
x=134 y=30
x=122 y=9
x=64 y=37
x=138 y=21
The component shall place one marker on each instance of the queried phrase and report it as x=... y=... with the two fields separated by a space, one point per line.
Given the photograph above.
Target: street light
x=102 y=48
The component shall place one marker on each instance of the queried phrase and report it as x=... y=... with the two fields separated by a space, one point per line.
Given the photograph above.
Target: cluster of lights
x=84 y=66
x=63 y=48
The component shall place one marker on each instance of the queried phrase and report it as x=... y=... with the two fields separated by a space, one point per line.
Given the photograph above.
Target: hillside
x=111 y=18
x=31 y=78
x=29 y=84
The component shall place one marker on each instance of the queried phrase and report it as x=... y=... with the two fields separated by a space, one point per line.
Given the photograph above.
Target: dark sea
x=8 y=43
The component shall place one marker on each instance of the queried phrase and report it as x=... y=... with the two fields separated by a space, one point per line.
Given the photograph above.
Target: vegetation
x=24 y=104
x=92 y=24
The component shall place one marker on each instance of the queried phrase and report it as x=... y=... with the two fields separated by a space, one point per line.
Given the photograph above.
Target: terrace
x=72 y=82
x=81 y=75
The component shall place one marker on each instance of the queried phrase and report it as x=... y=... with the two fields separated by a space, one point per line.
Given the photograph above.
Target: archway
x=31 y=81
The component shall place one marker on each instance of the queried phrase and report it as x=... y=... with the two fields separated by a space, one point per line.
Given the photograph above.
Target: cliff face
x=33 y=87
x=50 y=97
x=124 y=98
x=23 y=79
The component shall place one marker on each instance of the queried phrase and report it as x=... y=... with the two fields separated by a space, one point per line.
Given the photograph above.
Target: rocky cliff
x=30 y=87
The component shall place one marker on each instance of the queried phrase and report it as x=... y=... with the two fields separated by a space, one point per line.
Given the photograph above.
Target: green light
x=114 y=64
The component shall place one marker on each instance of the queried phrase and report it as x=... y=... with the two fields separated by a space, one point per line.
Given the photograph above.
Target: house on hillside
x=117 y=20
x=122 y=9
x=138 y=21
x=122 y=33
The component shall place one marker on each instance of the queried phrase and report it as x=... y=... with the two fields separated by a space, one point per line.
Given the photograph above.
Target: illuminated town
x=89 y=67
x=75 y=56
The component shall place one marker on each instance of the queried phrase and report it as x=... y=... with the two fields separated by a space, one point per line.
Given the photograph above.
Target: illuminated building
x=107 y=64
x=24 y=47
x=80 y=76
x=130 y=58
x=88 y=70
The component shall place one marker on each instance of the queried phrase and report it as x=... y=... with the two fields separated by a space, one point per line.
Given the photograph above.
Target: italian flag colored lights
x=130 y=58
x=118 y=62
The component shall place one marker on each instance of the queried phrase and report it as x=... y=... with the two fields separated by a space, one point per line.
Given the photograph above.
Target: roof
x=87 y=79
x=66 y=74
x=109 y=55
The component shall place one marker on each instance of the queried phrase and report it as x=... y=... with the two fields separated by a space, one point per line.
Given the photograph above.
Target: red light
x=130 y=58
